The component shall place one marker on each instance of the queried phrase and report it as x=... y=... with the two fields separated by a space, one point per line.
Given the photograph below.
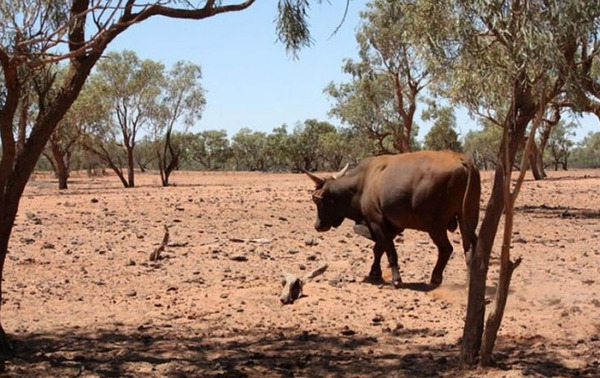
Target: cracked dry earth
x=81 y=297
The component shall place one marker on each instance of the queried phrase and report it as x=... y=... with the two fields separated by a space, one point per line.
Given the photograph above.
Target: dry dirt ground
x=81 y=297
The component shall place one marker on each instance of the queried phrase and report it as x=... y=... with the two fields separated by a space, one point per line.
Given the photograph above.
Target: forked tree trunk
x=474 y=322
x=507 y=267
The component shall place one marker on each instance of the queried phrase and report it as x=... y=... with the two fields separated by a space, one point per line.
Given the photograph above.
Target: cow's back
x=422 y=190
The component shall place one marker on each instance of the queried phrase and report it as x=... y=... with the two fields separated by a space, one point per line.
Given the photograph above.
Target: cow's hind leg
x=440 y=239
x=392 y=256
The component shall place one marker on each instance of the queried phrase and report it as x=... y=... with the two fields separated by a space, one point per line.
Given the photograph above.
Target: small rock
x=293 y=251
x=377 y=319
x=347 y=331
x=239 y=258
x=94 y=200
x=131 y=293
x=311 y=242
x=48 y=245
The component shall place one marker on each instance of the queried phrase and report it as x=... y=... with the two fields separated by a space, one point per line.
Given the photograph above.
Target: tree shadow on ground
x=275 y=352
x=564 y=212
x=564 y=178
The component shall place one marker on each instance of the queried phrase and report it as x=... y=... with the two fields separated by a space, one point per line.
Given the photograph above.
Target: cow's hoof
x=374 y=280
x=397 y=284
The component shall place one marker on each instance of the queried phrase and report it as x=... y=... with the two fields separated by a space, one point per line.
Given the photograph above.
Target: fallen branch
x=154 y=255
x=209 y=242
x=293 y=285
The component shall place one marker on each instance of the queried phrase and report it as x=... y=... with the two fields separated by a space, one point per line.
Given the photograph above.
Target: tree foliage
x=442 y=135
x=560 y=144
x=587 y=152
x=181 y=102
x=209 y=148
x=483 y=145
x=381 y=99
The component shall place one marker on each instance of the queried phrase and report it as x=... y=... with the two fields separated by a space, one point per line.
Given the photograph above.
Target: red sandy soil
x=81 y=297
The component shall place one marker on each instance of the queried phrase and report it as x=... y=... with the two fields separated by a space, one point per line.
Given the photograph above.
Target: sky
x=250 y=80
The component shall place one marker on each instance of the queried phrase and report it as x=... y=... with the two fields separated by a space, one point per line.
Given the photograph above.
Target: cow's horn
x=342 y=172
x=315 y=178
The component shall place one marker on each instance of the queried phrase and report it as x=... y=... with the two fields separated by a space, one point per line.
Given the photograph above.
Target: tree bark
x=59 y=165
x=6 y=350
x=507 y=267
x=517 y=120
x=130 y=167
x=534 y=160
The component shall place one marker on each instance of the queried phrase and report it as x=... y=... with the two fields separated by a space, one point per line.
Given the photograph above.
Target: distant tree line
x=133 y=115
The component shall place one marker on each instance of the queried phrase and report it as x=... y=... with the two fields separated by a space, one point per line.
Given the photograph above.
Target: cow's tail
x=470 y=207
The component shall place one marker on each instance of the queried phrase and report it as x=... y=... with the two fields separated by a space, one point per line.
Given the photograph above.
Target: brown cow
x=431 y=191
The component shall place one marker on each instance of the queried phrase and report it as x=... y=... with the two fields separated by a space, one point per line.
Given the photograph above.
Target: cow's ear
x=316 y=179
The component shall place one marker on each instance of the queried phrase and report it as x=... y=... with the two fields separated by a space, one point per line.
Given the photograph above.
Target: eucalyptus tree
x=181 y=104
x=35 y=34
x=587 y=152
x=503 y=60
x=132 y=89
x=279 y=148
x=559 y=145
x=536 y=158
x=249 y=150
x=65 y=138
x=442 y=135
x=483 y=145
x=387 y=78
x=306 y=144
x=209 y=148
x=59 y=150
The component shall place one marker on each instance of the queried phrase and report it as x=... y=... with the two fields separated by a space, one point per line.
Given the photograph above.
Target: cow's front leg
x=385 y=241
x=375 y=275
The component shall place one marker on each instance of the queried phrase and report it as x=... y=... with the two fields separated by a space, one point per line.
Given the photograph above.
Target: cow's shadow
x=425 y=287
x=419 y=286
x=414 y=286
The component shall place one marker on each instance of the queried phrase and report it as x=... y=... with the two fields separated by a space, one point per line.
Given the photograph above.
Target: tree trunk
x=507 y=267
x=60 y=167
x=130 y=167
x=22 y=126
x=478 y=269
x=534 y=161
x=474 y=322
x=8 y=219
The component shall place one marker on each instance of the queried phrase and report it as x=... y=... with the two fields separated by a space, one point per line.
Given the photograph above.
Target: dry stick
x=507 y=267
x=209 y=242
x=154 y=255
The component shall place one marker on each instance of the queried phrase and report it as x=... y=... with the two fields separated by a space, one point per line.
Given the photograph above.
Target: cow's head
x=330 y=212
